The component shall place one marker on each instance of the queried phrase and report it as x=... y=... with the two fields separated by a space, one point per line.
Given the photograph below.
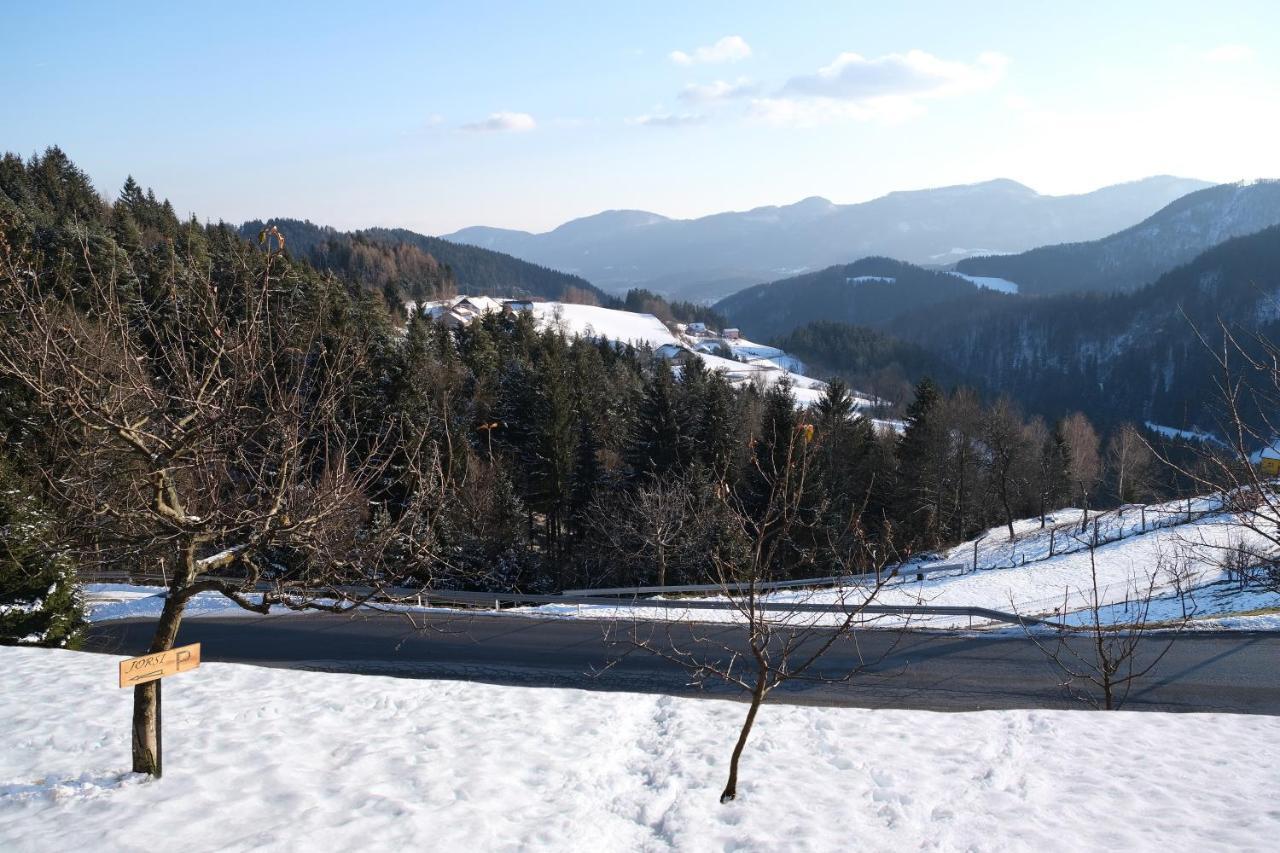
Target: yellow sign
x=135 y=671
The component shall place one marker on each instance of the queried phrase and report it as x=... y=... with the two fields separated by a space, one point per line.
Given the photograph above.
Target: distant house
x=730 y=334
x=675 y=353
x=1269 y=460
x=696 y=328
x=515 y=306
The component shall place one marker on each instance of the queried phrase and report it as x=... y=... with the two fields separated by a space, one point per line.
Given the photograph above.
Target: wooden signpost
x=154 y=667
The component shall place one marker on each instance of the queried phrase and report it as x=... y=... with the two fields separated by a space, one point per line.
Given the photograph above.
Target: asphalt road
x=1236 y=672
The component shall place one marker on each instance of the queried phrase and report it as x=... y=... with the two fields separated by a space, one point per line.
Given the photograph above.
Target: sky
x=436 y=116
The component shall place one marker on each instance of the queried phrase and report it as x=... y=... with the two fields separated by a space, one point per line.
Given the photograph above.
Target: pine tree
x=655 y=448
x=39 y=600
x=922 y=459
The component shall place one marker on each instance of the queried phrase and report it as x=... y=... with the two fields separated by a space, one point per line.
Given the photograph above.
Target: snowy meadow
x=269 y=759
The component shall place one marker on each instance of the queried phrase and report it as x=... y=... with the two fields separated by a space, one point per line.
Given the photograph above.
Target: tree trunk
x=145 y=729
x=757 y=697
x=1008 y=511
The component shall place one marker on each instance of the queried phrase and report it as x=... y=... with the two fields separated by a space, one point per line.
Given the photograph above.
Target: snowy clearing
x=267 y=759
x=590 y=321
x=989 y=282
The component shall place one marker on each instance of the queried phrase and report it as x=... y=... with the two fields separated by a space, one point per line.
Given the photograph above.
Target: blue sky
x=437 y=116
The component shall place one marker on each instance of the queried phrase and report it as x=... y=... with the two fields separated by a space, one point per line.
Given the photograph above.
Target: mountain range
x=713 y=256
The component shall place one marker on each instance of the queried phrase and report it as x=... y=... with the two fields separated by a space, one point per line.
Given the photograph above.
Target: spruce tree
x=39 y=600
x=922 y=459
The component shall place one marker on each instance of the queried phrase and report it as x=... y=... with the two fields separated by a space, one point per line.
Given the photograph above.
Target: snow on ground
x=1021 y=577
x=762 y=354
x=1185 y=434
x=593 y=321
x=107 y=601
x=989 y=282
x=271 y=759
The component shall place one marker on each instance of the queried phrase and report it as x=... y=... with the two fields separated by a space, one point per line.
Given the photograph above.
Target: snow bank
x=259 y=758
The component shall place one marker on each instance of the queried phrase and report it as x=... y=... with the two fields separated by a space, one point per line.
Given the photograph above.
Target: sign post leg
x=159 y=728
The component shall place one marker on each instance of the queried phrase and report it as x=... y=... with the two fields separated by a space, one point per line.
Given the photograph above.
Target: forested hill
x=869 y=292
x=870 y=360
x=404 y=264
x=1139 y=255
x=1132 y=355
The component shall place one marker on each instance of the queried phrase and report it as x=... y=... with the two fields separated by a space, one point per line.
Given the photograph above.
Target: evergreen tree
x=922 y=459
x=656 y=446
x=39 y=599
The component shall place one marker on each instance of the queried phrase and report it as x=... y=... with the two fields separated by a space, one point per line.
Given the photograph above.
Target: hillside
x=377 y=257
x=873 y=361
x=1173 y=550
x=870 y=292
x=1120 y=356
x=713 y=256
x=1139 y=255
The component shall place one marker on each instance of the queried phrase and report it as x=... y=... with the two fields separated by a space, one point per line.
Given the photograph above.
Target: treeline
x=548 y=462
x=403 y=266
x=677 y=311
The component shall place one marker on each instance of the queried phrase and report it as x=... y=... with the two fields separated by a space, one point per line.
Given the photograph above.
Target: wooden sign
x=135 y=671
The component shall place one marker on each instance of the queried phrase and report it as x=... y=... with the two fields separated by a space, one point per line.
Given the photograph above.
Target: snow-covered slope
x=594 y=322
x=271 y=759
x=1176 y=548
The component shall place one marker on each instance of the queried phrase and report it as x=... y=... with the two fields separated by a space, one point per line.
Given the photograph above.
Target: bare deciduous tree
x=1084 y=465
x=784 y=639
x=1247 y=381
x=1007 y=441
x=1129 y=459
x=205 y=427
x=646 y=526
x=1110 y=655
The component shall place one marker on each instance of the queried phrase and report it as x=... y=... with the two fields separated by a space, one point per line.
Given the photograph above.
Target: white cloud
x=720 y=90
x=1229 y=53
x=727 y=49
x=886 y=88
x=914 y=73
x=503 y=122
x=668 y=120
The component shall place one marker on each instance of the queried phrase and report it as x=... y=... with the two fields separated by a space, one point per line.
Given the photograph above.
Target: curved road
x=1237 y=672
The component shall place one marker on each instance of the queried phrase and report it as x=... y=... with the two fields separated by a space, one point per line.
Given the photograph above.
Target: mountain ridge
x=711 y=256
x=1140 y=254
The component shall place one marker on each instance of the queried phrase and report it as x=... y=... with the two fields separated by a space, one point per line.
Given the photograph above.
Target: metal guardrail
x=495 y=600
x=835 y=580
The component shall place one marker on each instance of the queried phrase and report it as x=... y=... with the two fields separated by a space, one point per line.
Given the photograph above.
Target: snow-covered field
x=1020 y=577
x=268 y=759
x=590 y=321
x=989 y=282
